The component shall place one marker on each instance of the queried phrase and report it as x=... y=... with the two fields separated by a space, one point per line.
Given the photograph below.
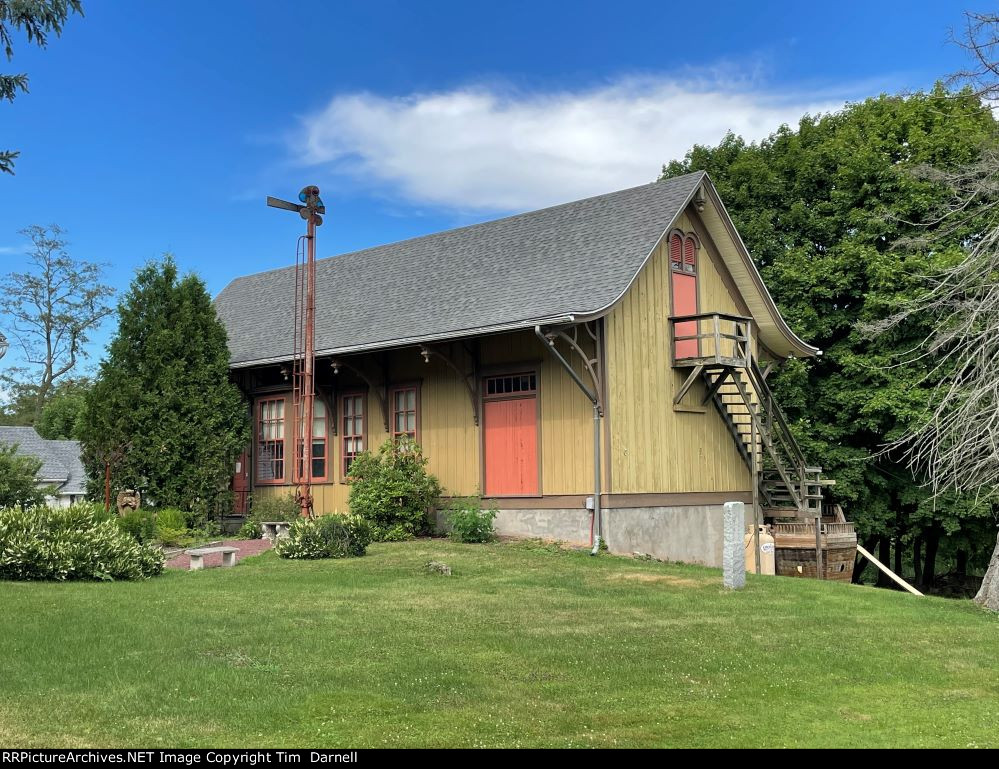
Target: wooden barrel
x=795 y=550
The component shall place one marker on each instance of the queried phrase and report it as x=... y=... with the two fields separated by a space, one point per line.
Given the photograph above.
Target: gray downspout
x=597 y=518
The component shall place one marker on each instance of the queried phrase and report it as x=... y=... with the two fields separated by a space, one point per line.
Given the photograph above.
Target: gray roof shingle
x=575 y=258
x=69 y=454
x=60 y=459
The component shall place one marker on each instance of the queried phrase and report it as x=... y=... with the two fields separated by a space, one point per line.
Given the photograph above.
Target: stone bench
x=198 y=554
x=273 y=530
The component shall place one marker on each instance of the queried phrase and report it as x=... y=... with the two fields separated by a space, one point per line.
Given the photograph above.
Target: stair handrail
x=773 y=410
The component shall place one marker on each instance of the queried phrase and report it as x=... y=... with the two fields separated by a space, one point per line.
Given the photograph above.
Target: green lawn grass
x=523 y=646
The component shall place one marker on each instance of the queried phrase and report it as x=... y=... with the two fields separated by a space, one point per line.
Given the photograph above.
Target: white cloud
x=481 y=148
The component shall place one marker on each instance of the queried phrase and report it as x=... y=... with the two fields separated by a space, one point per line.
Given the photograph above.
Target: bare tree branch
x=52 y=308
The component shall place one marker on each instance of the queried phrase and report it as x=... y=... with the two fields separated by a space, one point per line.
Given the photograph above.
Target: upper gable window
x=683 y=252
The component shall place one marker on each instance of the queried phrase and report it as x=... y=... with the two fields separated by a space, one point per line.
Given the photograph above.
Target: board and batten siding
x=654 y=448
x=448 y=434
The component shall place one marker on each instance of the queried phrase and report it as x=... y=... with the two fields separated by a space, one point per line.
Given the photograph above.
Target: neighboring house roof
x=61 y=463
x=69 y=454
x=568 y=262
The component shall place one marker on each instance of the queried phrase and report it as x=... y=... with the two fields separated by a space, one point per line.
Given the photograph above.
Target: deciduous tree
x=955 y=442
x=822 y=207
x=52 y=308
x=62 y=415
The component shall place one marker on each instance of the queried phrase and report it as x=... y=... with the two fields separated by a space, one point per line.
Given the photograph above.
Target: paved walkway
x=247 y=547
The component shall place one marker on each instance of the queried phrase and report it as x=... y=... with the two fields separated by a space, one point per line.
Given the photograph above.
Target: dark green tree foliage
x=162 y=407
x=21 y=400
x=37 y=19
x=18 y=487
x=62 y=414
x=821 y=209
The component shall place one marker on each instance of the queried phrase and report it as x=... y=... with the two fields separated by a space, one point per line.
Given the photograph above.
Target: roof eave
x=389 y=344
x=794 y=343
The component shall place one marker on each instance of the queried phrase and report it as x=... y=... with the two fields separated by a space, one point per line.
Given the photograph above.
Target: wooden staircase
x=789 y=488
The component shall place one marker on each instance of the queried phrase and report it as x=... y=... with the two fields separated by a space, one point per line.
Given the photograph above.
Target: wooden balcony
x=711 y=339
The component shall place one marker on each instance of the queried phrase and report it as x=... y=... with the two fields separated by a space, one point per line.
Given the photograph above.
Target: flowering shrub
x=328 y=536
x=78 y=542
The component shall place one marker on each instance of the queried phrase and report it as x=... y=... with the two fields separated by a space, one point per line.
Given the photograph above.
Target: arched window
x=689 y=254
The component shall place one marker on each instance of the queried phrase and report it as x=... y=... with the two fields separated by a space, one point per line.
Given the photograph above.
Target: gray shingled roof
x=68 y=453
x=60 y=459
x=571 y=259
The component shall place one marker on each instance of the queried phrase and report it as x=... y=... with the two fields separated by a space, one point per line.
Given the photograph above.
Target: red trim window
x=270 y=440
x=352 y=428
x=405 y=412
x=319 y=464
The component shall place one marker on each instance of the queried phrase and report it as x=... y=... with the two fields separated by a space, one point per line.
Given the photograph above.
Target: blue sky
x=154 y=127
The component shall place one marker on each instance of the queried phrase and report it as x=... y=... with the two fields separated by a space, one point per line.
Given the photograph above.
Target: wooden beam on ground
x=863 y=551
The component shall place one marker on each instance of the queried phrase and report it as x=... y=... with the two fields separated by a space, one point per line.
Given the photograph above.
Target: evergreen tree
x=162 y=407
x=37 y=19
x=822 y=209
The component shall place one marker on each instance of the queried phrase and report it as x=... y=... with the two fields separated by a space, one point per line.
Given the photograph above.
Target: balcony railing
x=711 y=339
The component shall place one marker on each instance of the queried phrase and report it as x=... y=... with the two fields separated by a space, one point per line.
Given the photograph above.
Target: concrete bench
x=273 y=530
x=198 y=554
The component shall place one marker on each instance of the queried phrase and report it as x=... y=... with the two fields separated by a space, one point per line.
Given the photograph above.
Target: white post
x=733 y=549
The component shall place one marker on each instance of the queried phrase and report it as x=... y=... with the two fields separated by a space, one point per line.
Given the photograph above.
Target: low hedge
x=138 y=524
x=327 y=536
x=283 y=507
x=171 y=526
x=76 y=543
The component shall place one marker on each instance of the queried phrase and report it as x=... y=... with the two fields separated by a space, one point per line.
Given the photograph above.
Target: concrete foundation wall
x=569 y=526
x=691 y=534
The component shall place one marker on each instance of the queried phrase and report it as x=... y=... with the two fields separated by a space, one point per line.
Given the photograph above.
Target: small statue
x=128 y=500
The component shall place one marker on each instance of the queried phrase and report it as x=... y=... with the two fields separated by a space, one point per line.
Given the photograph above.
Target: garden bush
x=139 y=523
x=469 y=522
x=171 y=526
x=393 y=490
x=268 y=508
x=78 y=542
x=18 y=487
x=326 y=536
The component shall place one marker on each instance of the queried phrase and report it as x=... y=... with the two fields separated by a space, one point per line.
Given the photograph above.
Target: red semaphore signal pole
x=304 y=346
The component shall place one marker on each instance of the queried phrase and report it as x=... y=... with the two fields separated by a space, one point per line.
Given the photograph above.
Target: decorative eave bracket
x=470 y=379
x=592 y=365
